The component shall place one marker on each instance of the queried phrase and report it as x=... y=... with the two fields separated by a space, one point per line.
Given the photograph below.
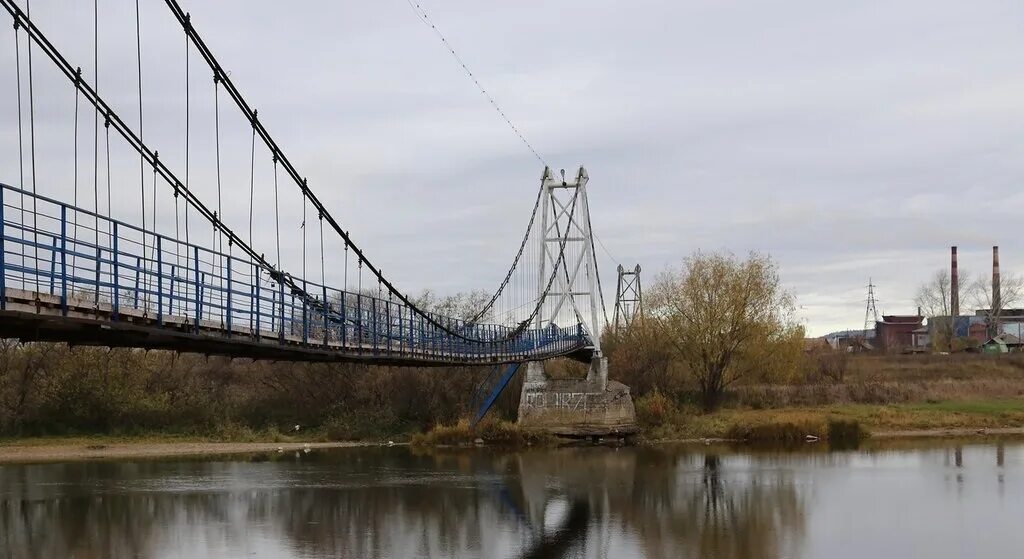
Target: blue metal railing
x=86 y=260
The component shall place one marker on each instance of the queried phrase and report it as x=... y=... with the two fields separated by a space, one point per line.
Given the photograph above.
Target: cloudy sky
x=849 y=140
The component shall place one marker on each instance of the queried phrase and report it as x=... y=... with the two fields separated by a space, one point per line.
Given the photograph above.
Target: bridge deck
x=69 y=275
x=33 y=316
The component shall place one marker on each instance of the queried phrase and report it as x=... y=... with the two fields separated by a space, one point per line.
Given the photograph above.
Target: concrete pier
x=593 y=406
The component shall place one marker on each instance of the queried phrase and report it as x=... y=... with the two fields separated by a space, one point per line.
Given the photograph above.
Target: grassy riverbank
x=97 y=396
x=490 y=431
x=880 y=393
x=927 y=418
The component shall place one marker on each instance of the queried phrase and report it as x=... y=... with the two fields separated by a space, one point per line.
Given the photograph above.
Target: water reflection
x=397 y=503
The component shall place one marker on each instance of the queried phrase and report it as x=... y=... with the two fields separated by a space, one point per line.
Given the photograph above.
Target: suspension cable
x=277 y=217
x=289 y=168
x=21 y=141
x=32 y=141
x=135 y=142
x=252 y=183
x=177 y=231
x=515 y=262
x=218 y=237
x=96 y=133
x=187 y=122
x=106 y=126
x=302 y=226
x=421 y=14
x=597 y=270
x=142 y=159
x=554 y=272
x=74 y=215
x=323 y=267
x=156 y=255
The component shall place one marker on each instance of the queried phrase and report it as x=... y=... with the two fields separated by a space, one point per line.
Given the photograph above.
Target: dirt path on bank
x=13 y=452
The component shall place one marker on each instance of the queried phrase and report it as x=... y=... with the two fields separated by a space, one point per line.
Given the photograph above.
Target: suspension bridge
x=131 y=248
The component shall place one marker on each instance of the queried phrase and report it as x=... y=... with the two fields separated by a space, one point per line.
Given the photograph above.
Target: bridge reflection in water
x=394 y=503
x=584 y=503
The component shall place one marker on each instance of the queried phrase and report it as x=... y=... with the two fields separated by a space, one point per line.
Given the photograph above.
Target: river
x=932 y=499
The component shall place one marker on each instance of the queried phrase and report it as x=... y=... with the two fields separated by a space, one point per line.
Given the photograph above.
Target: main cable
x=421 y=14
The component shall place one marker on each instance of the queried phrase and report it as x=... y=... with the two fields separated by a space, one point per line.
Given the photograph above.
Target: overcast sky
x=847 y=139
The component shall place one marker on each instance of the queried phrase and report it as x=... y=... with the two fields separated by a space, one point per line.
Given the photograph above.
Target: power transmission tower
x=871 y=312
x=628 y=297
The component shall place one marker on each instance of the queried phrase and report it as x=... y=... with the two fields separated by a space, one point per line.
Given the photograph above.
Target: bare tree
x=935 y=295
x=463 y=305
x=935 y=299
x=982 y=297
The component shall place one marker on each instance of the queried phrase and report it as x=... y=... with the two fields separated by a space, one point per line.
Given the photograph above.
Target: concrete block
x=593 y=406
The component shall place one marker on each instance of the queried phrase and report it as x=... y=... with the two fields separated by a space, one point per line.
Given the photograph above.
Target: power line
x=422 y=15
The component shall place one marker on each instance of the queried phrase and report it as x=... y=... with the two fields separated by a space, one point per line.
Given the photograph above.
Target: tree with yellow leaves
x=726 y=319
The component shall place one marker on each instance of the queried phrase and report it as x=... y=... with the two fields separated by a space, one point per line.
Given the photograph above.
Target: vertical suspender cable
x=303 y=227
x=277 y=217
x=344 y=291
x=32 y=141
x=323 y=267
x=252 y=188
x=218 y=241
x=219 y=237
x=74 y=215
x=177 y=232
x=96 y=133
x=277 y=229
x=187 y=120
x=21 y=141
x=142 y=159
x=106 y=126
x=157 y=252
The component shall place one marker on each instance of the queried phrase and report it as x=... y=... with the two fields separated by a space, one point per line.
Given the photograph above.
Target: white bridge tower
x=565 y=227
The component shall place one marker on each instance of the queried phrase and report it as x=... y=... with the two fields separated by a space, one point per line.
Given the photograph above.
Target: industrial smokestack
x=996 y=295
x=954 y=286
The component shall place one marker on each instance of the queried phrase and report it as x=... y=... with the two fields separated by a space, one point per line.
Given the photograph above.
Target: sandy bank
x=34 y=451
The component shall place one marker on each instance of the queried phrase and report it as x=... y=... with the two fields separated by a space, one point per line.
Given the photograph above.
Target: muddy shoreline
x=36 y=450
x=71 y=451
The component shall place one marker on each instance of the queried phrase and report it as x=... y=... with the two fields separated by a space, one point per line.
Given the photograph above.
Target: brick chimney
x=954 y=286
x=996 y=295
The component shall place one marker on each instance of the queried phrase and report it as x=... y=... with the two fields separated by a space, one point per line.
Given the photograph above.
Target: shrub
x=655 y=409
x=491 y=431
x=845 y=434
x=783 y=432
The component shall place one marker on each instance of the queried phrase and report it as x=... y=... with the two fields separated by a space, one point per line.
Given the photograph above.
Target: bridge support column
x=592 y=406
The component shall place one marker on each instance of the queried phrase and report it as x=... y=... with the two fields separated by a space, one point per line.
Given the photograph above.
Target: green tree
x=726 y=319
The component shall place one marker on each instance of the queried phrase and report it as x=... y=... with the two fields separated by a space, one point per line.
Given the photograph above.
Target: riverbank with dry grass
x=843 y=424
x=83 y=402
x=490 y=432
x=944 y=418
x=884 y=395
